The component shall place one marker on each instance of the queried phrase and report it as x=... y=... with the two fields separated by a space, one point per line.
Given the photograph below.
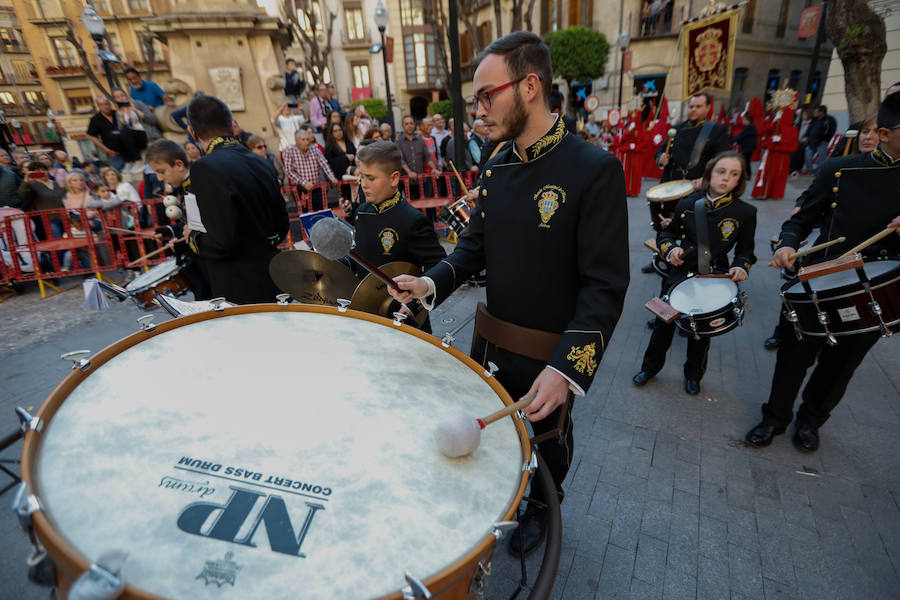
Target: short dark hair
x=165 y=151
x=556 y=100
x=523 y=52
x=290 y=60
x=36 y=165
x=747 y=116
x=745 y=173
x=127 y=71
x=209 y=117
x=823 y=108
x=705 y=96
x=383 y=155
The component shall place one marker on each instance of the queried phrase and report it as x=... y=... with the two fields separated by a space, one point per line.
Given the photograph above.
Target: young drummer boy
x=389 y=229
x=170 y=163
x=731 y=223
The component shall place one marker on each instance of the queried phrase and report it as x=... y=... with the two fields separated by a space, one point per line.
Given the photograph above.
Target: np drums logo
x=248 y=508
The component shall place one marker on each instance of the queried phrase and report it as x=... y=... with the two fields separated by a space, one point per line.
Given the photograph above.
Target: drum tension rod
x=343 y=304
x=531 y=464
x=791 y=315
x=501 y=528
x=399 y=317
x=79 y=359
x=283 y=299
x=491 y=369
x=415 y=589
x=218 y=304
x=146 y=323
x=874 y=306
x=447 y=340
x=821 y=315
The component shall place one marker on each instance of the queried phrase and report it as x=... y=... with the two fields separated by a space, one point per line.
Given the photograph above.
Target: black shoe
x=642 y=378
x=806 y=438
x=761 y=435
x=528 y=535
x=648 y=268
x=771 y=343
x=691 y=386
x=651 y=323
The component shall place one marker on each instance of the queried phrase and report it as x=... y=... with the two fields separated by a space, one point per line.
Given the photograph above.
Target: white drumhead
x=872 y=269
x=670 y=190
x=698 y=295
x=317 y=410
x=154 y=274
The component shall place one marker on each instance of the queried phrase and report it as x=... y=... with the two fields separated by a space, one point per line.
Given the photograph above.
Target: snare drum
x=846 y=302
x=281 y=468
x=663 y=198
x=709 y=306
x=165 y=278
x=456 y=216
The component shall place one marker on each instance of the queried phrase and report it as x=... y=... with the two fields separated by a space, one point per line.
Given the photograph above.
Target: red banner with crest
x=709 y=53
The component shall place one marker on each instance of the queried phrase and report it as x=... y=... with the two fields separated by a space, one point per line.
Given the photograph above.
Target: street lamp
x=94 y=25
x=381 y=21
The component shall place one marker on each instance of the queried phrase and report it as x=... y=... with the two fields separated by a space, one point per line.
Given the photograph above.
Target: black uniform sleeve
x=424 y=244
x=814 y=204
x=602 y=240
x=667 y=239
x=743 y=250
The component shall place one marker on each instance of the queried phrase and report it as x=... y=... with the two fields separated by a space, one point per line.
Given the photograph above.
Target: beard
x=514 y=123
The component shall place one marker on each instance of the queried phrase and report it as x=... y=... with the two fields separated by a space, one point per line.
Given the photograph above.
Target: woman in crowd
x=287 y=125
x=257 y=145
x=352 y=131
x=193 y=151
x=373 y=133
x=83 y=219
x=39 y=192
x=340 y=153
x=867 y=139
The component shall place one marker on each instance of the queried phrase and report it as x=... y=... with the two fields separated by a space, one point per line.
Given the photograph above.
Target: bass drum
x=297 y=459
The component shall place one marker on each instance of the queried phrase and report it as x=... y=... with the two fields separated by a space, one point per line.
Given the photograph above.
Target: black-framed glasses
x=484 y=98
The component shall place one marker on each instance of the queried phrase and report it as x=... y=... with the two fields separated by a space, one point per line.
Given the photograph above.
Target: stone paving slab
x=664 y=500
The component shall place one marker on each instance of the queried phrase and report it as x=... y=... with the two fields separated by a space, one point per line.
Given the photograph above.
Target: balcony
x=363 y=42
x=64 y=71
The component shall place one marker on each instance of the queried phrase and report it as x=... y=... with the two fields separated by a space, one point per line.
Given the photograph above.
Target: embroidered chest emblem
x=584 y=358
x=549 y=198
x=388 y=238
x=727 y=227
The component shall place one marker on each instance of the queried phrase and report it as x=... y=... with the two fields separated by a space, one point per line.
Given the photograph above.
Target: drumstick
x=461 y=434
x=154 y=253
x=141 y=233
x=671 y=133
x=849 y=136
x=870 y=241
x=462 y=184
x=816 y=248
x=651 y=247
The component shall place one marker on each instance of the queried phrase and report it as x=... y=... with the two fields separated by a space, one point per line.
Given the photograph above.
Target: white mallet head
x=174 y=212
x=458 y=435
x=170 y=200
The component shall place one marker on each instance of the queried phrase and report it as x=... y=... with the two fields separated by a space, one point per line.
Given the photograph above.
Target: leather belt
x=524 y=341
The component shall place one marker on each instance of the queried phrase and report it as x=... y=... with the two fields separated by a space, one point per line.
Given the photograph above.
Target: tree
x=577 y=53
x=85 y=63
x=859 y=36
x=314 y=41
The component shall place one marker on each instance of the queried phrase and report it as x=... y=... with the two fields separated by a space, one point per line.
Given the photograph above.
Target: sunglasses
x=259 y=147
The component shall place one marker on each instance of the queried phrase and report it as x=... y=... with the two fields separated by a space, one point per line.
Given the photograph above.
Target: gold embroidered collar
x=389 y=203
x=699 y=123
x=226 y=140
x=718 y=202
x=549 y=140
x=186 y=184
x=884 y=158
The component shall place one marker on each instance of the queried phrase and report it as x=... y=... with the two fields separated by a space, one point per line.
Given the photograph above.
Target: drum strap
x=702 y=138
x=703 y=254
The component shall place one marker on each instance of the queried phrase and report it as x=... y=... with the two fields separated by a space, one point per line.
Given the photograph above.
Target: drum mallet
x=461 y=434
x=816 y=248
x=155 y=252
x=849 y=136
x=334 y=240
x=671 y=133
x=870 y=241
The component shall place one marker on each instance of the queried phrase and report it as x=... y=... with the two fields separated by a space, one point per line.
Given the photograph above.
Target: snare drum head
x=873 y=269
x=154 y=274
x=670 y=190
x=698 y=295
x=288 y=454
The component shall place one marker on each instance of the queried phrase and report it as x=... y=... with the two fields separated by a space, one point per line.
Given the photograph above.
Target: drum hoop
x=153 y=283
x=713 y=312
x=850 y=332
x=672 y=196
x=74 y=564
x=843 y=291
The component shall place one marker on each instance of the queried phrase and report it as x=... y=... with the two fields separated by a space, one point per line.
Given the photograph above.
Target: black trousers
x=517 y=373
x=661 y=340
x=835 y=366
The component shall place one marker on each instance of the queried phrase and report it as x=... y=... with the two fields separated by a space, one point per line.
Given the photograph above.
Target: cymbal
x=371 y=294
x=311 y=278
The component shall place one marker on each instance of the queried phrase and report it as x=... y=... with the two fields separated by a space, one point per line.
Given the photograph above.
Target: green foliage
x=578 y=53
x=444 y=107
x=376 y=107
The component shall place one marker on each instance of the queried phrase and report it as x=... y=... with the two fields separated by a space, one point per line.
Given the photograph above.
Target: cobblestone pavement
x=664 y=500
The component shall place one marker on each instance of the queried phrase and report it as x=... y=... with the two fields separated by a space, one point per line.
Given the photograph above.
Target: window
x=355 y=24
x=138 y=4
x=580 y=12
x=485 y=34
x=772 y=81
x=65 y=53
x=7 y=98
x=10 y=39
x=159 y=53
x=114 y=46
x=326 y=77
x=303 y=19
x=36 y=102
x=22 y=69
x=412 y=12
x=794 y=81
x=783 y=11
x=80 y=100
x=737 y=89
x=102 y=6
x=749 y=15
x=550 y=16
x=466 y=52
x=421 y=59
x=361 y=76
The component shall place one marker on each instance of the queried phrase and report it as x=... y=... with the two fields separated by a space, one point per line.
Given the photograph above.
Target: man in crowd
x=415 y=154
x=113 y=137
x=146 y=91
x=334 y=102
x=302 y=164
x=387 y=132
x=439 y=132
x=425 y=126
x=820 y=131
x=319 y=108
x=477 y=142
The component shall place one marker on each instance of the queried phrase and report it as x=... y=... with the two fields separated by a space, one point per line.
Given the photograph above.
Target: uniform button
x=488 y=173
x=484 y=192
x=837 y=175
x=482 y=214
x=682 y=215
x=683 y=236
x=834 y=205
x=834 y=189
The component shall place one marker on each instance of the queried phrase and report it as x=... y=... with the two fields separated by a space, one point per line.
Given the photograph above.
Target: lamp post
x=381 y=21
x=94 y=25
x=622 y=43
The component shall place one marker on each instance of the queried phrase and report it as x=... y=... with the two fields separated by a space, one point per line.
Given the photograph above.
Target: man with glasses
x=551 y=226
x=855 y=197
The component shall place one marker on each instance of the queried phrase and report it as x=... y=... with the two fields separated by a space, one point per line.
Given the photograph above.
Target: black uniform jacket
x=395 y=231
x=245 y=218
x=731 y=223
x=853 y=196
x=553 y=234
x=683 y=147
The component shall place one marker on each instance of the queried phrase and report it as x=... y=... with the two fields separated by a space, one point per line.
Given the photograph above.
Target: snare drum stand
x=7 y=441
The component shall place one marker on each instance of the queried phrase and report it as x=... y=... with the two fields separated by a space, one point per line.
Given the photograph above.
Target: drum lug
x=27 y=422
x=492 y=368
x=415 y=590
x=41 y=568
x=147 y=323
x=791 y=316
x=832 y=341
x=283 y=299
x=79 y=359
x=343 y=304
x=875 y=307
x=531 y=464
x=476 y=586
x=501 y=528
x=447 y=340
x=519 y=414
x=694 y=327
x=24 y=505
x=399 y=317
x=218 y=304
